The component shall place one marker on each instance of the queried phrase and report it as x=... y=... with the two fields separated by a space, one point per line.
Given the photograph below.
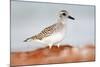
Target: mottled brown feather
x=49 y=31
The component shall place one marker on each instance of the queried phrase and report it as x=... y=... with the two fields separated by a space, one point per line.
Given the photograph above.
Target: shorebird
x=53 y=34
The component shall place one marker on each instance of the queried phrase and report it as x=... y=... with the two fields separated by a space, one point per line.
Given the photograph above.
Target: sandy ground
x=63 y=54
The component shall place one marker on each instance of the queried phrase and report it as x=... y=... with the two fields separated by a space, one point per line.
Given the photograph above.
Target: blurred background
x=29 y=18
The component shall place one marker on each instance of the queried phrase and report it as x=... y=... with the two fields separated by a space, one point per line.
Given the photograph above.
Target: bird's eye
x=64 y=14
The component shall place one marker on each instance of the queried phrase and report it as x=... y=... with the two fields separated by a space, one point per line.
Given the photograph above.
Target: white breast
x=54 y=38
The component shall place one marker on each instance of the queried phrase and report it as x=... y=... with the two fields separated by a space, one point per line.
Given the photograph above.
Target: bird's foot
x=50 y=46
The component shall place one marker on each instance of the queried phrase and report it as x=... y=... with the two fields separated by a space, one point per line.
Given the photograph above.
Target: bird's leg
x=58 y=45
x=50 y=46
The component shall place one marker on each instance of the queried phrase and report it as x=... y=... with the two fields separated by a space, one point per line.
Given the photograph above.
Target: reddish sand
x=54 y=55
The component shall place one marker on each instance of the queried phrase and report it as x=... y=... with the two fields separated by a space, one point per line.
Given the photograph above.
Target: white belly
x=54 y=38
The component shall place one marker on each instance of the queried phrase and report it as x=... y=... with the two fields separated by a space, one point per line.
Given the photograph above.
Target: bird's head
x=65 y=14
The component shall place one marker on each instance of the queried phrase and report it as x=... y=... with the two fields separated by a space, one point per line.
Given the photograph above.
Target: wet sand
x=63 y=54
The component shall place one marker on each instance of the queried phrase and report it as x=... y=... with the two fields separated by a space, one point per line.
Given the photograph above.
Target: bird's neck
x=61 y=20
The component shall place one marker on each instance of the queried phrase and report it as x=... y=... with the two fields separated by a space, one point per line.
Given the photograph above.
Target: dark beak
x=70 y=17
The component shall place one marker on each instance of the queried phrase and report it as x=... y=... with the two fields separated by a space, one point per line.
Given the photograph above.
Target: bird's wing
x=46 y=32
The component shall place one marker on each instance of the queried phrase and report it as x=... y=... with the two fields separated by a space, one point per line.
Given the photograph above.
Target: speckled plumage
x=49 y=31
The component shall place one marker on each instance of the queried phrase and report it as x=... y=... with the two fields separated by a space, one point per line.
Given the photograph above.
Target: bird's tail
x=30 y=38
x=27 y=39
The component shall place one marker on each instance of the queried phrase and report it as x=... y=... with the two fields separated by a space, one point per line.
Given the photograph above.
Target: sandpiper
x=53 y=34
